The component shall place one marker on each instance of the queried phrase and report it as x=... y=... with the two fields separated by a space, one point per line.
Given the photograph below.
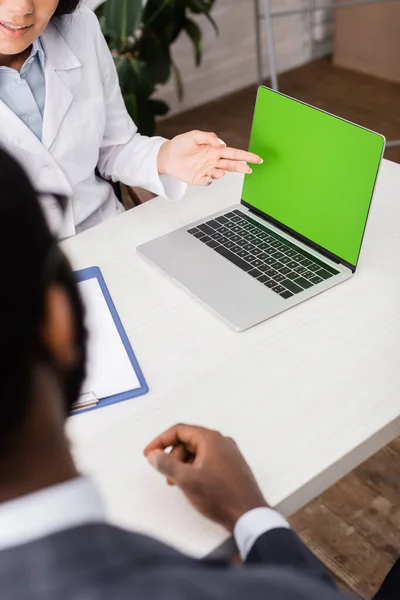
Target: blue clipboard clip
x=95 y=273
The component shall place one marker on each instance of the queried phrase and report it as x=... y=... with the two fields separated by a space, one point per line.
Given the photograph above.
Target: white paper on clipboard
x=109 y=369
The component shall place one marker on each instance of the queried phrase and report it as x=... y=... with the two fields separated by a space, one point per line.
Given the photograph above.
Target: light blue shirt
x=24 y=92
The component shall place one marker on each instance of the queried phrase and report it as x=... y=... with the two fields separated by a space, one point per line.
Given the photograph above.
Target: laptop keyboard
x=263 y=254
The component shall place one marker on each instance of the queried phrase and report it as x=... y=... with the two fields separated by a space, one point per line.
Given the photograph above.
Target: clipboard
x=95 y=273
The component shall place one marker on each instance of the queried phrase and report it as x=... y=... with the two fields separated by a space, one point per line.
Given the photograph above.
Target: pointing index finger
x=241 y=155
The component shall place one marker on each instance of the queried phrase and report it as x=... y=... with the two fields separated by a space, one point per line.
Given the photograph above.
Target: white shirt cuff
x=253 y=525
x=167 y=186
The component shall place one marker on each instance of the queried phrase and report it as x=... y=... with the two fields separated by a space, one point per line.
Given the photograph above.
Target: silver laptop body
x=245 y=265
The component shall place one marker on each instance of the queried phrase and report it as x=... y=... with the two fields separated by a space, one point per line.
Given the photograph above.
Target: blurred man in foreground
x=54 y=538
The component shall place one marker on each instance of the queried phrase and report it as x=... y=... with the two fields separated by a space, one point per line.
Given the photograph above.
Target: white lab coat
x=85 y=125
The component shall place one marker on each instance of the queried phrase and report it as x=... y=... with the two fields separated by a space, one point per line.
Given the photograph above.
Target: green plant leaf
x=122 y=18
x=157 y=13
x=213 y=23
x=146 y=118
x=200 y=6
x=131 y=106
x=157 y=57
x=178 y=81
x=194 y=33
x=133 y=75
x=159 y=107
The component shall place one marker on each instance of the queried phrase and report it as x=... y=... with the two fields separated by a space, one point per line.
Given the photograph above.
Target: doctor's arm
x=164 y=167
x=126 y=156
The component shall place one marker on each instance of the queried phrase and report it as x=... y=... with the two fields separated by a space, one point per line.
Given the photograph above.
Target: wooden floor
x=355 y=526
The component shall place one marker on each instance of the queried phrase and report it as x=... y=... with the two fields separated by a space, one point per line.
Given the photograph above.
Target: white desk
x=308 y=395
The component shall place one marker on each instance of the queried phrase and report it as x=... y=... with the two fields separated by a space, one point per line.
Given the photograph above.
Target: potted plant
x=140 y=39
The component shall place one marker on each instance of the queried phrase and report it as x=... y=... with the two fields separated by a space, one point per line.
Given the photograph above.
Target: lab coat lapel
x=58 y=100
x=13 y=131
x=59 y=58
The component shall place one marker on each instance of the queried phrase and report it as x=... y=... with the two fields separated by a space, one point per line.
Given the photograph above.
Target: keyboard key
x=255 y=273
x=274 y=243
x=300 y=270
x=224 y=230
x=229 y=245
x=292 y=287
x=258 y=252
x=281 y=247
x=206 y=229
x=222 y=240
x=292 y=275
x=290 y=252
x=284 y=270
x=193 y=230
x=244 y=254
x=270 y=272
x=239 y=213
x=235 y=249
x=314 y=267
x=236 y=238
x=236 y=219
x=277 y=255
x=249 y=237
x=286 y=295
x=278 y=278
x=247 y=246
x=264 y=236
x=324 y=274
x=278 y=289
x=264 y=246
x=270 y=283
x=276 y=265
x=316 y=280
x=264 y=267
x=308 y=274
x=217 y=236
x=199 y=234
x=286 y=260
x=233 y=259
x=270 y=261
x=256 y=262
x=212 y=243
x=254 y=229
x=263 y=279
x=223 y=220
x=306 y=262
x=205 y=239
x=303 y=282
x=236 y=229
x=214 y=224
x=292 y=264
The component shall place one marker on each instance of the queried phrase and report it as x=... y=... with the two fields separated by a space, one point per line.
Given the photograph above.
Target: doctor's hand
x=198 y=158
x=209 y=469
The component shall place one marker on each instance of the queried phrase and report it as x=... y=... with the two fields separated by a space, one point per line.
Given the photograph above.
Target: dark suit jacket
x=390 y=589
x=101 y=562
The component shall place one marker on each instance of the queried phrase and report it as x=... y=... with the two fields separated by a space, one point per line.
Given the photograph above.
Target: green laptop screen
x=318 y=174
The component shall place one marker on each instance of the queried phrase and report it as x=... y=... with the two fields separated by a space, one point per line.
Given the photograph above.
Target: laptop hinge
x=298 y=236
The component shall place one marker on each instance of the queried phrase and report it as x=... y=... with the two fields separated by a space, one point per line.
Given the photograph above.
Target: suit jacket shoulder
x=99 y=562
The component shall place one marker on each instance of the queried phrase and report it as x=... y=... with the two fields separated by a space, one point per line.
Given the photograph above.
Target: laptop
x=299 y=227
